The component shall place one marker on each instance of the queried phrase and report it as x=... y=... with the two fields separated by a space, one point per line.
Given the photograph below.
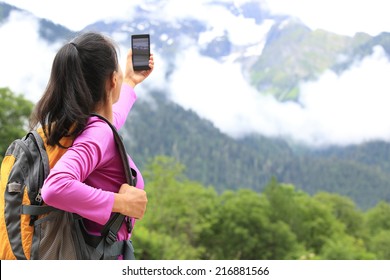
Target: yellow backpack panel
x=26 y=164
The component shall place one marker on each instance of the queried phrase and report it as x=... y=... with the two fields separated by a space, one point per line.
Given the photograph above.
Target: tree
x=378 y=217
x=185 y=220
x=178 y=212
x=14 y=114
x=378 y=226
x=346 y=247
x=349 y=244
x=243 y=230
x=380 y=244
x=312 y=222
x=345 y=210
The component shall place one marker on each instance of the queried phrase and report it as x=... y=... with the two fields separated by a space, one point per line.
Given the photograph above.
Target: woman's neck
x=105 y=110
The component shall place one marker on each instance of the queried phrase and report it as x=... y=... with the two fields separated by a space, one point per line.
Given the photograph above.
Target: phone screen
x=141 y=51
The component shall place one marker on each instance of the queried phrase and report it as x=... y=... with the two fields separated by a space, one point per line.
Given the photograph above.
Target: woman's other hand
x=130 y=201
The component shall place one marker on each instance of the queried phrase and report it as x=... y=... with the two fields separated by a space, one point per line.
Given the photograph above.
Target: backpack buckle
x=129 y=225
x=38 y=198
x=111 y=237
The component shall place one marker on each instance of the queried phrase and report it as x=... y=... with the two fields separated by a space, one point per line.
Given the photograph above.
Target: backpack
x=30 y=229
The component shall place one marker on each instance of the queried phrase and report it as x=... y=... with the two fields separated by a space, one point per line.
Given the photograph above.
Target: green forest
x=187 y=219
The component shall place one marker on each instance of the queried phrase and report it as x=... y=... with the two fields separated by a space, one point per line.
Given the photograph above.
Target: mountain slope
x=294 y=53
x=211 y=157
x=5 y=10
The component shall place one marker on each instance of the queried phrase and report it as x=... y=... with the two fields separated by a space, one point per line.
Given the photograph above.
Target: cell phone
x=140 y=45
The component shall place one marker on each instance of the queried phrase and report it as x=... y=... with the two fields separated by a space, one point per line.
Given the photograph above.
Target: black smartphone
x=140 y=45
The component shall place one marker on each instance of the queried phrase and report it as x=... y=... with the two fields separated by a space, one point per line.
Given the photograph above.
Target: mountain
x=159 y=126
x=5 y=10
x=303 y=55
x=290 y=53
x=48 y=30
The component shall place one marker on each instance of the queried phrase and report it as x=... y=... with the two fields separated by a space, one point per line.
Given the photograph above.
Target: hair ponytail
x=77 y=84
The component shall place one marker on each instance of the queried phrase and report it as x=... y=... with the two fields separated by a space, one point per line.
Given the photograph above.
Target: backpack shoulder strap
x=112 y=227
x=129 y=173
x=41 y=147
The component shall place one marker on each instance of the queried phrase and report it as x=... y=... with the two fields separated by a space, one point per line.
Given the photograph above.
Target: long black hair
x=76 y=86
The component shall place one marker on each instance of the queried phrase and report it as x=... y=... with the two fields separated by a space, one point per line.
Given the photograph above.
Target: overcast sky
x=340 y=16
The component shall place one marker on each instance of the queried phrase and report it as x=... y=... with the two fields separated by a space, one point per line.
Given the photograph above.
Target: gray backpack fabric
x=62 y=236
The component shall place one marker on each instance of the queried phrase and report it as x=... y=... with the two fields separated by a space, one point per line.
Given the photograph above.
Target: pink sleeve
x=64 y=187
x=122 y=107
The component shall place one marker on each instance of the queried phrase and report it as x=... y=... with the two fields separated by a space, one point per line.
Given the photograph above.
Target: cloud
x=219 y=92
x=352 y=107
x=346 y=109
x=241 y=31
x=342 y=17
x=215 y=90
x=25 y=57
x=75 y=14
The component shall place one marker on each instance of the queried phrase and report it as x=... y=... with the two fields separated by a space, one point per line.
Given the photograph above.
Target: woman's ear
x=114 y=79
x=112 y=82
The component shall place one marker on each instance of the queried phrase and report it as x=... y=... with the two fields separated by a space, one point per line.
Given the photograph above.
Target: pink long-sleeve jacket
x=85 y=178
